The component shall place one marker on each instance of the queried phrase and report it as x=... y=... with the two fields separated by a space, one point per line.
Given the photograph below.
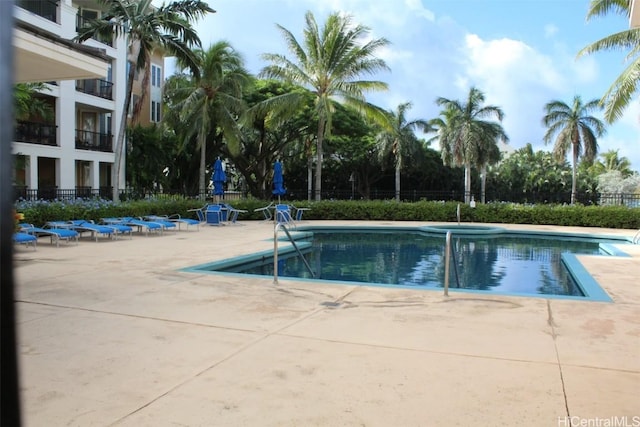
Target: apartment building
x=147 y=104
x=634 y=14
x=70 y=154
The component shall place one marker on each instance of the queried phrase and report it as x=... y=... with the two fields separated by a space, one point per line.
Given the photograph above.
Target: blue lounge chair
x=175 y=219
x=56 y=234
x=120 y=229
x=112 y=230
x=25 y=239
x=82 y=226
x=164 y=222
x=140 y=225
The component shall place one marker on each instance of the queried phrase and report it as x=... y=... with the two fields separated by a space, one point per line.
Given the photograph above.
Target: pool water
x=502 y=263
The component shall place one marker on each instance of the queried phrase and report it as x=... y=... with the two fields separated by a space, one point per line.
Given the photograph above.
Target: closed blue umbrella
x=278 y=180
x=219 y=178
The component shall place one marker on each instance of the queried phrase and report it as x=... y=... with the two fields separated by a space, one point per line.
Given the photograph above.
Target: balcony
x=36 y=133
x=96 y=87
x=81 y=21
x=44 y=8
x=94 y=141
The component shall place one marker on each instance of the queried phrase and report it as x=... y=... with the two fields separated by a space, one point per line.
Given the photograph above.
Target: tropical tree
x=465 y=136
x=488 y=154
x=611 y=161
x=145 y=28
x=211 y=99
x=528 y=176
x=28 y=104
x=573 y=127
x=398 y=138
x=618 y=96
x=151 y=153
x=330 y=62
x=269 y=134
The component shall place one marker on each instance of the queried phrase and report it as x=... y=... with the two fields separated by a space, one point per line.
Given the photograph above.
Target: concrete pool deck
x=111 y=333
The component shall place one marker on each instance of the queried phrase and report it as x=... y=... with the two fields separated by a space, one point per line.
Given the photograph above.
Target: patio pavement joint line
x=420 y=350
x=224 y=359
x=182 y=322
x=553 y=325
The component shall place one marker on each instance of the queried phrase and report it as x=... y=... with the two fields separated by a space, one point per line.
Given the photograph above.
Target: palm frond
x=621 y=92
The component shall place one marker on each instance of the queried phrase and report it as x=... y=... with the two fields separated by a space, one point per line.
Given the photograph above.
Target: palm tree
x=488 y=154
x=611 y=161
x=330 y=63
x=398 y=138
x=618 y=96
x=211 y=98
x=145 y=28
x=465 y=137
x=573 y=127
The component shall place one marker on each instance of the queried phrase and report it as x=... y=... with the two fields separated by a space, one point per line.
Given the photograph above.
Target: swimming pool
x=486 y=259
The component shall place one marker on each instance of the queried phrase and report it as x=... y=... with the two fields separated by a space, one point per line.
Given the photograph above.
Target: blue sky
x=520 y=53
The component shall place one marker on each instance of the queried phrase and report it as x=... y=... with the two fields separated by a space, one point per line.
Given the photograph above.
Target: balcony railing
x=95 y=141
x=36 y=133
x=96 y=87
x=45 y=8
x=82 y=21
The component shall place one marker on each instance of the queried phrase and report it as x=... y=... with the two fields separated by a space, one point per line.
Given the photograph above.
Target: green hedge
x=588 y=216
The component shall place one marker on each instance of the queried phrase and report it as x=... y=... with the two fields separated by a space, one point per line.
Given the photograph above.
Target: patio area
x=112 y=333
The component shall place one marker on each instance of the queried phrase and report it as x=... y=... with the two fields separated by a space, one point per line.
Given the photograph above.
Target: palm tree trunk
x=118 y=150
x=321 y=126
x=309 y=178
x=398 y=166
x=467 y=183
x=574 y=174
x=483 y=183
x=202 y=137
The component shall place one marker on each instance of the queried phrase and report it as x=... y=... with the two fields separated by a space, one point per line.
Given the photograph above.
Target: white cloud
x=550 y=30
x=515 y=77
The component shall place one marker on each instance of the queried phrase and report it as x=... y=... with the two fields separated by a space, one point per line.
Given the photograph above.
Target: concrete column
x=66 y=122
x=95 y=175
x=32 y=172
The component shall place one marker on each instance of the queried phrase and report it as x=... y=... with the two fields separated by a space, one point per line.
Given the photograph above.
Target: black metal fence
x=601 y=199
x=96 y=141
x=45 y=8
x=96 y=87
x=36 y=133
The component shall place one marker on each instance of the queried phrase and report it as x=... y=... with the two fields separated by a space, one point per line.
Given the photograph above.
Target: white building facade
x=71 y=153
x=634 y=14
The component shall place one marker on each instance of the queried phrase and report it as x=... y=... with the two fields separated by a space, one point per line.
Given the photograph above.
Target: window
x=155 y=111
x=156 y=76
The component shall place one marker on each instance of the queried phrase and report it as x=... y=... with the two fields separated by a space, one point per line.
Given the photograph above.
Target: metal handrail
x=458 y=213
x=636 y=238
x=447 y=256
x=275 y=251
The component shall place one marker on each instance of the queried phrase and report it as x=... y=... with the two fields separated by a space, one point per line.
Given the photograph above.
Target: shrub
x=39 y=212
